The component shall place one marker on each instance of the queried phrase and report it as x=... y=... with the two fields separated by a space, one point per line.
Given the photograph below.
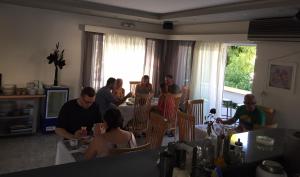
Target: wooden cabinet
x=19 y=114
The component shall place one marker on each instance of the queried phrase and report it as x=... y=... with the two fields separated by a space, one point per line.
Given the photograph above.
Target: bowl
x=31 y=91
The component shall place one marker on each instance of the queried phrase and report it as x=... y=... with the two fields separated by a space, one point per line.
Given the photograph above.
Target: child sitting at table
x=112 y=136
x=118 y=91
x=166 y=103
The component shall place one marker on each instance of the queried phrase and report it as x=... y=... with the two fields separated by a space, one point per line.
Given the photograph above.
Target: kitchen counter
x=255 y=153
x=138 y=164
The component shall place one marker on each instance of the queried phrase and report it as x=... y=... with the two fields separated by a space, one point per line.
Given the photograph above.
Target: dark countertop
x=255 y=153
x=138 y=164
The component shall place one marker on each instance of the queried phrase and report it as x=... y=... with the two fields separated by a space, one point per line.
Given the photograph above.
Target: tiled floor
x=28 y=152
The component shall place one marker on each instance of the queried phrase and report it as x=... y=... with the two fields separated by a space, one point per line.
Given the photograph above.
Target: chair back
x=127 y=150
x=184 y=97
x=195 y=108
x=186 y=125
x=142 y=106
x=156 y=130
x=269 y=114
x=132 y=86
x=171 y=115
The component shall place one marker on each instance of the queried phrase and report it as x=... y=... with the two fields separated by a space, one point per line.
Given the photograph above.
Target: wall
x=28 y=35
x=285 y=104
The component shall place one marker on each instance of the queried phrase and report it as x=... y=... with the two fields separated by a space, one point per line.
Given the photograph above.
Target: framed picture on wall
x=281 y=76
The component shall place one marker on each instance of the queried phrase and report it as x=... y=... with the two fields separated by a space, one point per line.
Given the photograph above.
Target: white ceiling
x=181 y=12
x=165 y=6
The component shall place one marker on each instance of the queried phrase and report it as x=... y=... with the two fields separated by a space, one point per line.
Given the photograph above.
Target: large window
x=123 y=57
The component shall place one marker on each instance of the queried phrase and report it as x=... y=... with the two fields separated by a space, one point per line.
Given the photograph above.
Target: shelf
x=21 y=96
x=14 y=134
x=15 y=117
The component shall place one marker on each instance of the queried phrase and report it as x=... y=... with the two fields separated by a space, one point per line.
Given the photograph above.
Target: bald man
x=250 y=116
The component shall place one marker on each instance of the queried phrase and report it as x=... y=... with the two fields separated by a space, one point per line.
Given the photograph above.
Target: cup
x=73 y=142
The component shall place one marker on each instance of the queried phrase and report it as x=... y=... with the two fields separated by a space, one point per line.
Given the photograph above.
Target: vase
x=55 y=76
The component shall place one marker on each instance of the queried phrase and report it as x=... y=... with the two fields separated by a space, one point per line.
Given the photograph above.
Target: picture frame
x=281 y=76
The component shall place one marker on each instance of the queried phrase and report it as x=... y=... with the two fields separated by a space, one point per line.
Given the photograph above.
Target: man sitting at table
x=249 y=115
x=172 y=87
x=77 y=113
x=105 y=99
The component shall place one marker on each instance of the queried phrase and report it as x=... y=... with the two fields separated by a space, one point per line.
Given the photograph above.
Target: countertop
x=138 y=164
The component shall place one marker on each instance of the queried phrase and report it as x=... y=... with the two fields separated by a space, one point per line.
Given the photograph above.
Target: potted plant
x=57 y=58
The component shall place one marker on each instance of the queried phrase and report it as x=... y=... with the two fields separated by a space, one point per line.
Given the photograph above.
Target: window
x=123 y=57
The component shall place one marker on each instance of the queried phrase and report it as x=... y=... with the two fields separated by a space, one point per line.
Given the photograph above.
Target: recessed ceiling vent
x=275 y=29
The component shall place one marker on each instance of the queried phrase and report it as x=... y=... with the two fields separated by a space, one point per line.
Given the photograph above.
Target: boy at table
x=77 y=113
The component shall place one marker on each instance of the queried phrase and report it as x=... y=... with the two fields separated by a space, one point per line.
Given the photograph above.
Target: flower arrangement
x=57 y=58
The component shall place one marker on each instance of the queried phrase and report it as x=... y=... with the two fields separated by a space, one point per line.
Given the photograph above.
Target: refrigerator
x=56 y=97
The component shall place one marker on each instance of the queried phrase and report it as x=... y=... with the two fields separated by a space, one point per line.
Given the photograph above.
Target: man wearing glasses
x=77 y=113
x=249 y=115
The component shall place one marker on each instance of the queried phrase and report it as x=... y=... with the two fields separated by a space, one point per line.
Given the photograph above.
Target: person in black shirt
x=77 y=113
x=172 y=87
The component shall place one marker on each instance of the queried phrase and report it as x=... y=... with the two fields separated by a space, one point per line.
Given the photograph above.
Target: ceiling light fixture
x=127 y=24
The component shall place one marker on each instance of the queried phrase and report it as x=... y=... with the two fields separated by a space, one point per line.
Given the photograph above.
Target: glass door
x=55 y=100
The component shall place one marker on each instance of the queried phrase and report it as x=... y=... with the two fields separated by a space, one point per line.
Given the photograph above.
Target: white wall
x=28 y=35
x=285 y=104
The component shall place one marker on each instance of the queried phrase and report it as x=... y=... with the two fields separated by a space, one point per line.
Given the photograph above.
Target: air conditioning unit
x=275 y=29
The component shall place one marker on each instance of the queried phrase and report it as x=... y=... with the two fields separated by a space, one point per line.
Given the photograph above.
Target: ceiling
x=181 y=12
x=165 y=6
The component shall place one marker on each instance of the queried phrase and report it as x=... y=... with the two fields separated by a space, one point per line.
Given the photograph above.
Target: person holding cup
x=109 y=135
x=78 y=114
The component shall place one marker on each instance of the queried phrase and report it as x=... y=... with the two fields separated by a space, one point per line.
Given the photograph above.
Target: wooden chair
x=156 y=130
x=184 y=98
x=142 y=106
x=186 y=125
x=132 y=86
x=128 y=150
x=172 y=123
x=195 y=108
x=269 y=113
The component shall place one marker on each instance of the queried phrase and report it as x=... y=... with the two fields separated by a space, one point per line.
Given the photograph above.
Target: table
x=136 y=164
x=67 y=154
x=127 y=110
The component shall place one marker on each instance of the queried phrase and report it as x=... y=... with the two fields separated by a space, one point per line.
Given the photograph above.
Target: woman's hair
x=113 y=119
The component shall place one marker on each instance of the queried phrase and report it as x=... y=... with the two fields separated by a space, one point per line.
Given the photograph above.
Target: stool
x=227 y=103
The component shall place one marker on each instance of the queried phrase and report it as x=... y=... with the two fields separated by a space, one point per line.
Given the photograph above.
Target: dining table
x=66 y=153
x=127 y=109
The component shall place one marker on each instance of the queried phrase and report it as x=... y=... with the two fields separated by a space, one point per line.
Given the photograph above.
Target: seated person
x=77 y=113
x=118 y=91
x=166 y=103
x=114 y=136
x=172 y=87
x=144 y=87
x=105 y=99
x=250 y=117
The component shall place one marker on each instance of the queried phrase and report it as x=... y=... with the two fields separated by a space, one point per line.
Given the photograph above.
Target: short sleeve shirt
x=72 y=116
x=173 y=89
x=105 y=99
x=249 y=119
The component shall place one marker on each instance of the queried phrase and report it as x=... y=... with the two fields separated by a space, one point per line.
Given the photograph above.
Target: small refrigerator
x=56 y=97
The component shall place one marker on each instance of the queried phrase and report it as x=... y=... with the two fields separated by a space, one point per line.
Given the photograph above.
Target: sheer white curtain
x=208 y=74
x=123 y=57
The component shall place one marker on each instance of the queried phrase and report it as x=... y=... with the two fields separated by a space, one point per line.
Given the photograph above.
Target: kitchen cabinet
x=19 y=114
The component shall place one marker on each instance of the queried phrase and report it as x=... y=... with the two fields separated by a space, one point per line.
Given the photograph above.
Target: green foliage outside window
x=240 y=67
